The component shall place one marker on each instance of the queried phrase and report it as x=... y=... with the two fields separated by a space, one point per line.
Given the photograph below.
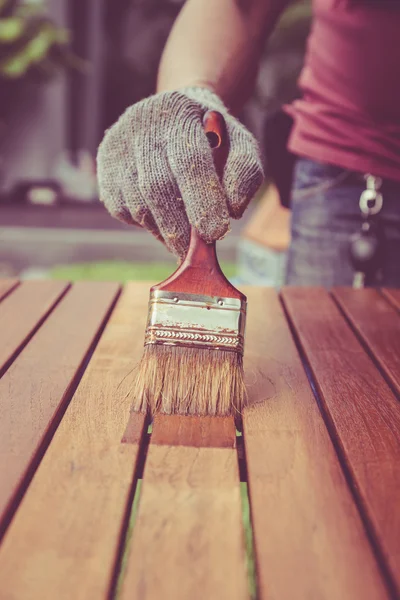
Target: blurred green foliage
x=123 y=271
x=31 y=44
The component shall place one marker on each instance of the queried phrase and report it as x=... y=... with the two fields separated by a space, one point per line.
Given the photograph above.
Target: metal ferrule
x=196 y=321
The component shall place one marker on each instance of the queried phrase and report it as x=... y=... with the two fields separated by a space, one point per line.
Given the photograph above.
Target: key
x=365 y=251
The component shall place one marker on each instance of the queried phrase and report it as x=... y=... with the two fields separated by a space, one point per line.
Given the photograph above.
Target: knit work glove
x=155 y=168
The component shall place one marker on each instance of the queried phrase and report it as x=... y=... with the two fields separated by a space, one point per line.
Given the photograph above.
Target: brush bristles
x=189 y=381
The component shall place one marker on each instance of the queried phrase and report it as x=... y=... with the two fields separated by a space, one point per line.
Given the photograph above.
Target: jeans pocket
x=311 y=178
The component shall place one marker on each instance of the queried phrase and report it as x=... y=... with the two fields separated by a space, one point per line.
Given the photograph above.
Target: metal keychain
x=365 y=245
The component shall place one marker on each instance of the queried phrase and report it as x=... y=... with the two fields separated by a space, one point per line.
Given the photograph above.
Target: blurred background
x=68 y=69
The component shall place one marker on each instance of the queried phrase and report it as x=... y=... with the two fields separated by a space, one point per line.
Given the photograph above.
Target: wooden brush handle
x=200 y=272
x=215 y=130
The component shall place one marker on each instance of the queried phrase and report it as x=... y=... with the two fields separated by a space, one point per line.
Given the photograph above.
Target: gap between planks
x=22 y=313
x=7 y=286
x=393 y=295
x=37 y=387
x=65 y=540
x=377 y=325
x=362 y=414
x=309 y=538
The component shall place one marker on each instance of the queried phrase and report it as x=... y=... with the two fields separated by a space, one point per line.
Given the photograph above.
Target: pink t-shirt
x=349 y=114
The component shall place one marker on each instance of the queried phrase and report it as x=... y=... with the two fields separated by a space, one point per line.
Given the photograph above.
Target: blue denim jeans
x=325 y=214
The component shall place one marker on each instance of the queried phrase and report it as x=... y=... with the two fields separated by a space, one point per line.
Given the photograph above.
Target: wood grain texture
x=133 y=431
x=35 y=388
x=6 y=285
x=64 y=539
x=198 y=432
x=309 y=539
x=362 y=412
x=393 y=295
x=378 y=324
x=188 y=538
x=22 y=312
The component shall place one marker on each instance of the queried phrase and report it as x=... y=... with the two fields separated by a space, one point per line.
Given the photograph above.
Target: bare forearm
x=217 y=44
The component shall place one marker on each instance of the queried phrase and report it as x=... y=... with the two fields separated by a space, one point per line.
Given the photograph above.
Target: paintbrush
x=193 y=357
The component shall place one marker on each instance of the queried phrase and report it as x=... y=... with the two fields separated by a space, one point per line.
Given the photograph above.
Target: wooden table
x=320 y=453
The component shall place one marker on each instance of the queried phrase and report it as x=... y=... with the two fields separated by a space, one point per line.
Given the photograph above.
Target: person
x=155 y=166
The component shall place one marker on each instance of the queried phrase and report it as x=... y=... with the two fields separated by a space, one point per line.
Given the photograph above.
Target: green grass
x=122 y=271
x=132 y=519
x=248 y=534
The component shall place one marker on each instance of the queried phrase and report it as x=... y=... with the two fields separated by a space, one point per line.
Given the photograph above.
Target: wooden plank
x=36 y=387
x=363 y=414
x=393 y=295
x=22 y=312
x=64 y=539
x=188 y=538
x=192 y=431
x=308 y=535
x=378 y=324
x=6 y=286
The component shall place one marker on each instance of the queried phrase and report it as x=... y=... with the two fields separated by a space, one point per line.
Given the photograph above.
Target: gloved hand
x=155 y=168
